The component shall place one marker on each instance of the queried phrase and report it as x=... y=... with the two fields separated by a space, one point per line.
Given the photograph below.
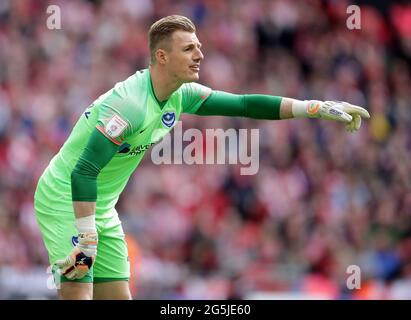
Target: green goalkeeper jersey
x=131 y=117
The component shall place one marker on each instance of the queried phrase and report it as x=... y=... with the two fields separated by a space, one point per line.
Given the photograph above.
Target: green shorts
x=60 y=236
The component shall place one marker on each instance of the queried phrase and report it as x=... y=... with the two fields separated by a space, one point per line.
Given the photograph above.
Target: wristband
x=306 y=108
x=86 y=224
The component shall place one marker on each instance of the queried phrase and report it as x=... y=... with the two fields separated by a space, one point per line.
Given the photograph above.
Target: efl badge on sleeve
x=168 y=119
x=115 y=126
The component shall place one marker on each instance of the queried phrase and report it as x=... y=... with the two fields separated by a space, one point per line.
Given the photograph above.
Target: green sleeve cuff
x=256 y=106
x=95 y=156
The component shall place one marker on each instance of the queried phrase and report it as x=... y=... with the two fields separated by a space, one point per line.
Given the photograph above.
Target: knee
x=115 y=290
x=76 y=291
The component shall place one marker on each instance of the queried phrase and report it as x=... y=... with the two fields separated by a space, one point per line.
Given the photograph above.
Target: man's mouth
x=195 y=68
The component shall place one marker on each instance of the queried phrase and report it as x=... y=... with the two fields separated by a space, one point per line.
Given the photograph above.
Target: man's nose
x=198 y=55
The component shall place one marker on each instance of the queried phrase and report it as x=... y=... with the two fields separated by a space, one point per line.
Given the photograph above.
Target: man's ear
x=161 y=56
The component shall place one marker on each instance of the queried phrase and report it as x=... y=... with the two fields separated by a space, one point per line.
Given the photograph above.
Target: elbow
x=83 y=186
x=86 y=169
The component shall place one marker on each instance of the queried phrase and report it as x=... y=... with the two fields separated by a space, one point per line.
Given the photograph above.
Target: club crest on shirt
x=115 y=126
x=168 y=119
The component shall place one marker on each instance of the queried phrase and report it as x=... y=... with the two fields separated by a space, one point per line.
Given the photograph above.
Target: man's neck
x=163 y=86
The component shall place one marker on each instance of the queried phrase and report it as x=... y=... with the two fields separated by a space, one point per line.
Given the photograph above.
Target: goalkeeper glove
x=331 y=110
x=81 y=258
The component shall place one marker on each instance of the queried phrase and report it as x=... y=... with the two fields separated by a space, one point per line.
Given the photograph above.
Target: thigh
x=112 y=262
x=57 y=229
x=111 y=290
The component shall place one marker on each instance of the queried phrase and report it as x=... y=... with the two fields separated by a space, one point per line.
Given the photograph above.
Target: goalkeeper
x=76 y=195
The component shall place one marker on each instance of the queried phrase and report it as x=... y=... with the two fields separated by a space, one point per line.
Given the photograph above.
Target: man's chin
x=192 y=78
x=195 y=77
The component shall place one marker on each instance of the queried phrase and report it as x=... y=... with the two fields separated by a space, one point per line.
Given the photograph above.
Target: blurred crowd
x=323 y=199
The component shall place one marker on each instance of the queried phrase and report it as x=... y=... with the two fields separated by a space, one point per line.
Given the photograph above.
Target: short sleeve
x=194 y=94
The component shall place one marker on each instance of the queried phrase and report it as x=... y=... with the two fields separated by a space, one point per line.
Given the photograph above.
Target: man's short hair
x=160 y=32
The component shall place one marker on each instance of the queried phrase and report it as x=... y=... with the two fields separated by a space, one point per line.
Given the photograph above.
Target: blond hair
x=160 y=32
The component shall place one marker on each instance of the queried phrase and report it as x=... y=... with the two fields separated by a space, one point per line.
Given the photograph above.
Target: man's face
x=184 y=57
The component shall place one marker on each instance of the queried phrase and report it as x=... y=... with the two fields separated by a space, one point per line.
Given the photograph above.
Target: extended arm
x=256 y=106
x=269 y=107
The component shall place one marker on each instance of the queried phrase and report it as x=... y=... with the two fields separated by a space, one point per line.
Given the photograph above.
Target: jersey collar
x=160 y=104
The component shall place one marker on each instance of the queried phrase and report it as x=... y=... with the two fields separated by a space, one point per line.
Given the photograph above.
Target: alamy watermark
x=54 y=19
x=354 y=278
x=354 y=18
x=217 y=146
